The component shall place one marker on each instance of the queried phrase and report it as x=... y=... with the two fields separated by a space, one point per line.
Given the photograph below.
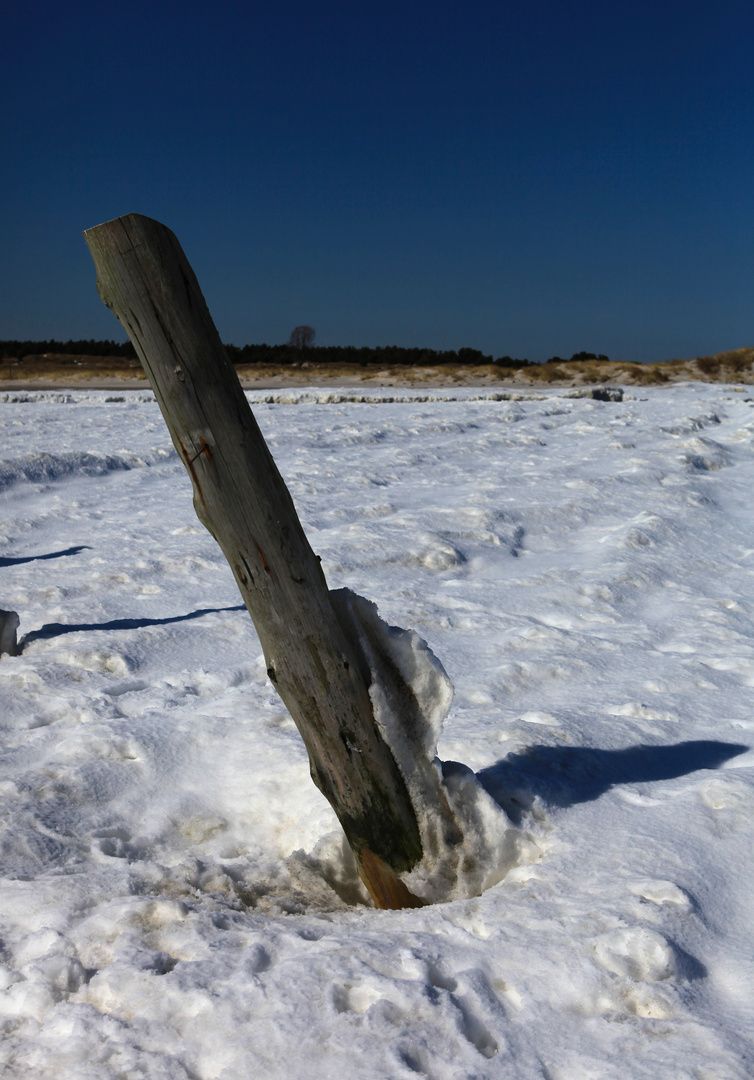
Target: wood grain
x=240 y=496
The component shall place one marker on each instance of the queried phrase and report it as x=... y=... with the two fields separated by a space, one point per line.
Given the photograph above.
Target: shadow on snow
x=564 y=775
x=56 y=629
x=15 y=561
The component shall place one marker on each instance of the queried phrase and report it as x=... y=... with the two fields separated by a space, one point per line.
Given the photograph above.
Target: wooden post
x=9 y=623
x=318 y=669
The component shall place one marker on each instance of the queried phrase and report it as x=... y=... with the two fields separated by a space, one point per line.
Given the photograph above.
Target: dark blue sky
x=527 y=178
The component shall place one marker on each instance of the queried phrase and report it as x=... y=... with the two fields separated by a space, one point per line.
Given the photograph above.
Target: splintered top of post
x=127 y=231
x=122 y=219
x=145 y=279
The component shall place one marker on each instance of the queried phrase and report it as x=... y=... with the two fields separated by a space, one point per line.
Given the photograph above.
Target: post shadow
x=17 y=560
x=52 y=630
x=564 y=775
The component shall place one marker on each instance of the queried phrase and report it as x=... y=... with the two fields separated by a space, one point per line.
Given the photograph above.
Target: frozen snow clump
x=468 y=841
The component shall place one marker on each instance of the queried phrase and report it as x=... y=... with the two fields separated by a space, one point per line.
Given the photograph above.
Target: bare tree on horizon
x=302 y=337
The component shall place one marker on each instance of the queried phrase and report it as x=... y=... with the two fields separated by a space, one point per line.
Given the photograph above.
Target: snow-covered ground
x=175 y=901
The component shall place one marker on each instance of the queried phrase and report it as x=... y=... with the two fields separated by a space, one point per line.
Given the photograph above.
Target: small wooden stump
x=9 y=623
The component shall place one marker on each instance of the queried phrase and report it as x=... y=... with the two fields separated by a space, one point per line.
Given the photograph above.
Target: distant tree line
x=289 y=353
x=351 y=354
x=276 y=354
x=576 y=356
x=90 y=347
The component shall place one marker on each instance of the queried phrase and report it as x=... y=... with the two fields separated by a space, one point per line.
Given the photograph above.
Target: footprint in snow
x=663 y=894
x=637 y=952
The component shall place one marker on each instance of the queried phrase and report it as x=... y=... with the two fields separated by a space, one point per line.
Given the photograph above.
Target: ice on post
x=468 y=842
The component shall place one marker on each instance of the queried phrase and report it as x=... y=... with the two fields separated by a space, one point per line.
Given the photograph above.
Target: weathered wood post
x=9 y=623
x=319 y=670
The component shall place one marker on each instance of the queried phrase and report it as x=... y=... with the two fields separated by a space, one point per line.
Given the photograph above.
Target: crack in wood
x=189 y=463
x=246 y=581
x=263 y=561
x=206 y=449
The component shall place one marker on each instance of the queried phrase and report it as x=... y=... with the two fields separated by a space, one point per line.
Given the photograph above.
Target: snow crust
x=176 y=902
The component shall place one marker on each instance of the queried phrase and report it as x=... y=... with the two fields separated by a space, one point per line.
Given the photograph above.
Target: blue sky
x=531 y=178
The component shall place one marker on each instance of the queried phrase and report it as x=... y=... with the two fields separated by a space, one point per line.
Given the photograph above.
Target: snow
x=467 y=840
x=175 y=898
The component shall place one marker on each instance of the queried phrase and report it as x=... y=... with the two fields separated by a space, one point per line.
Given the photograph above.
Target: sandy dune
x=54 y=371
